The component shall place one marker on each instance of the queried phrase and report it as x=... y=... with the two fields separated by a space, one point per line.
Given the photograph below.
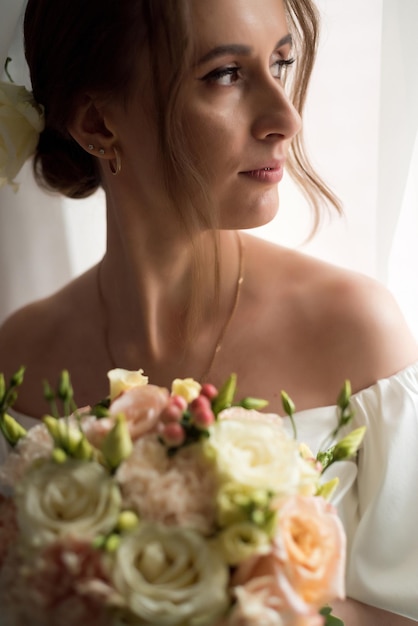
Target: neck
x=146 y=288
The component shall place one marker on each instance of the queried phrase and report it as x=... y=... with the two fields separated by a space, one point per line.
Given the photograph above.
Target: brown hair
x=73 y=47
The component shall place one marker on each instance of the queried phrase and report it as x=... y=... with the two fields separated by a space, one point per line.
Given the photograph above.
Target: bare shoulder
x=45 y=337
x=351 y=325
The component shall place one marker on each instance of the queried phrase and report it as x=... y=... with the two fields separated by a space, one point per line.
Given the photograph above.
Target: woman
x=179 y=109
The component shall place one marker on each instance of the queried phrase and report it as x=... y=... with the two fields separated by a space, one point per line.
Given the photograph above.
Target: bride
x=187 y=114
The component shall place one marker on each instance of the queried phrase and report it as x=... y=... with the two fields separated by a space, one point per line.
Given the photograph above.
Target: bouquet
x=165 y=507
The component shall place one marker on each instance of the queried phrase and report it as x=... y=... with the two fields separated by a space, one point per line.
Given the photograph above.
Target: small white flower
x=21 y=122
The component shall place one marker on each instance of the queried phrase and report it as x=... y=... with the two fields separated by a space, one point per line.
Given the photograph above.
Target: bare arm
x=355 y=613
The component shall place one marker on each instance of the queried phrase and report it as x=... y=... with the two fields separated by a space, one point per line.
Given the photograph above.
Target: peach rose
x=142 y=407
x=259 y=604
x=307 y=561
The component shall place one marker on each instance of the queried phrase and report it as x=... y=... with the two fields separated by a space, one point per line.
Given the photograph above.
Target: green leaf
x=330 y=620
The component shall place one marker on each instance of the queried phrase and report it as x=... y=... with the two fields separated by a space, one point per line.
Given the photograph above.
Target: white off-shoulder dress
x=377 y=496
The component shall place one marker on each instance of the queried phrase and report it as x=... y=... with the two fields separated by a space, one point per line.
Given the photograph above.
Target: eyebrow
x=239 y=49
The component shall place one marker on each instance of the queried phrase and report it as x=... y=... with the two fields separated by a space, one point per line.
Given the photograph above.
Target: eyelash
x=232 y=70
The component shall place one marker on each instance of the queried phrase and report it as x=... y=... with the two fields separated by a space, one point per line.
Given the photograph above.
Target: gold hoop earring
x=117 y=166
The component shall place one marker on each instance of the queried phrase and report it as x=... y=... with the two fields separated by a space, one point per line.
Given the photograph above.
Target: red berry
x=209 y=391
x=171 y=413
x=203 y=418
x=173 y=434
x=201 y=403
x=178 y=401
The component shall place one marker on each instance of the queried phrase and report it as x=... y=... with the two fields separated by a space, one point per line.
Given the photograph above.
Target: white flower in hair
x=21 y=122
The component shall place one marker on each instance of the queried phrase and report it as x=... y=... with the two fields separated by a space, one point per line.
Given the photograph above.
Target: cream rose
x=21 y=122
x=258 y=454
x=122 y=380
x=76 y=497
x=169 y=576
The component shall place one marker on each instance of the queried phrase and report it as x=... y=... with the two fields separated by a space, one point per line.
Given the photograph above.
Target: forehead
x=216 y=22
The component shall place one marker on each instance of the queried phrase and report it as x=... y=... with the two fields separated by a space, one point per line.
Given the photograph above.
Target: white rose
x=21 y=122
x=169 y=576
x=75 y=497
x=122 y=380
x=257 y=454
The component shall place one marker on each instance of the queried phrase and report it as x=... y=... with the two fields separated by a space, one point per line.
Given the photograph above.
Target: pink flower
x=37 y=444
x=65 y=583
x=256 y=605
x=142 y=407
x=305 y=568
x=246 y=415
x=177 y=490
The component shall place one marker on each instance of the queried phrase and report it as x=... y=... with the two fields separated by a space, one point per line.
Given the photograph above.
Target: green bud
x=49 y=394
x=241 y=500
x=99 y=542
x=258 y=517
x=112 y=543
x=52 y=426
x=11 y=397
x=17 y=378
x=67 y=437
x=287 y=404
x=59 y=456
x=254 y=404
x=128 y=520
x=83 y=450
x=226 y=394
x=344 y=396
x=327 y=489
x=117 y=444
x=11 y=429
x=65 y=390
x=2 y=387
x=347 y=447
x=260 y=497
x=289 y=408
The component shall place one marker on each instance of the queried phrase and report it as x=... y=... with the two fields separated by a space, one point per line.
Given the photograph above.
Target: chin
x=254 y=217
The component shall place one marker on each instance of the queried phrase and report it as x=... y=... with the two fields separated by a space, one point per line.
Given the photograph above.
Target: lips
x=271 y=172
x=265 y=175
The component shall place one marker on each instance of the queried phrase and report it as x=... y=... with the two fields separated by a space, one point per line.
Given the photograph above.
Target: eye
x=227 y=75
x=278 y=68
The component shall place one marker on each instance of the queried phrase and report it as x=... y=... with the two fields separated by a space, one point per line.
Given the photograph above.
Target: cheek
x=215 y=141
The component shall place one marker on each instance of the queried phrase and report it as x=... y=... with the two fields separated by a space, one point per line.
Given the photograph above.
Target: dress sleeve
x=383 y=559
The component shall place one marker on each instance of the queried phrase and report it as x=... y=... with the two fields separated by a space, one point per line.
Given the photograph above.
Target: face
x=237 y=118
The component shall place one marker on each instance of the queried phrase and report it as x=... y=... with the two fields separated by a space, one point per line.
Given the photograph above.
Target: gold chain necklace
x=230 y=317
x=224 y=328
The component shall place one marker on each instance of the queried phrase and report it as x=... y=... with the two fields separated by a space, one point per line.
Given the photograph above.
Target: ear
x=89 y=129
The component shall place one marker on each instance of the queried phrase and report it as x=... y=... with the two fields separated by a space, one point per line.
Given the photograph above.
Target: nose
x=274 y=114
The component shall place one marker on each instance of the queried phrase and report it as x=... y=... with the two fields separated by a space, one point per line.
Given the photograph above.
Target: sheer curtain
x=361 y=127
